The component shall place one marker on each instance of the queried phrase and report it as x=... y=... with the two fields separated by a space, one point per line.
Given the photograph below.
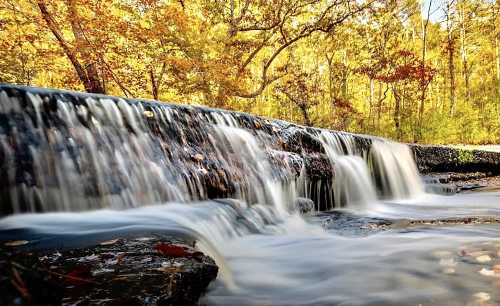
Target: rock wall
x=431 y=158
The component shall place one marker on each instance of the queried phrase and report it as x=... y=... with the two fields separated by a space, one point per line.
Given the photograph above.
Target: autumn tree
x=394 y=68
x=303 y=89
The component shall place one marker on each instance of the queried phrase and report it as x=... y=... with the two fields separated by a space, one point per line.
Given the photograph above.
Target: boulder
x=127 y=271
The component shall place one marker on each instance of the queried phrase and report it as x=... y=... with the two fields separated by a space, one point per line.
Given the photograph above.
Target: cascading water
x=394 y=170
x=261 y=184
x=352 y=186
x=63 y=152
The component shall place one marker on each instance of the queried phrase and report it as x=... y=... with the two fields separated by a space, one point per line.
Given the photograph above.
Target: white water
x=266 y=260
x=239 y=146
x=356 y=175
x=393 y=166
x=352 y=185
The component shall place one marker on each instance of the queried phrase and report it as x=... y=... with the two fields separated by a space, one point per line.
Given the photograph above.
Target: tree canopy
x=396 y=68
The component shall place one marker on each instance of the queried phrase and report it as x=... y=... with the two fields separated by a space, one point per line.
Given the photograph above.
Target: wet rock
x=448 y=159
x=153 y=271
x=300 y=141
x=16 y=243
x=453 y=182
x=304 y=205
x=286 y=160
x=318 y=166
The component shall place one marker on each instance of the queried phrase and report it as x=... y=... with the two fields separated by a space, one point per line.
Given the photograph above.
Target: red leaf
x=79 y=275
x=176 y=250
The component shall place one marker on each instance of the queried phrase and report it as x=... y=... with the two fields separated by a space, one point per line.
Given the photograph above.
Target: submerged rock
x=143 y=271
x=304 y=205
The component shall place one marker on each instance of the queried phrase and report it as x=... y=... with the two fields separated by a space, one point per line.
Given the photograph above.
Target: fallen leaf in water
x=109 y=242
x=79 y=275
x=482 y=296
x=487 y=272
x=483 y=258
x=16 y=243
x=172 y=250
x=19 y=284
x=496 y=268
x=170 y=269
x=176 y=250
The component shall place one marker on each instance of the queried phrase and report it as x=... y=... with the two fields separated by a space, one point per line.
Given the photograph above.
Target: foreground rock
x=141 y=271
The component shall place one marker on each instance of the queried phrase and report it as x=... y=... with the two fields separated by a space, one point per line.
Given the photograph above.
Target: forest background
x=413 y=71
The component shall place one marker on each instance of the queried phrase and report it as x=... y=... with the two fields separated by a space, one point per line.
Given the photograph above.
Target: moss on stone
x=464 y=156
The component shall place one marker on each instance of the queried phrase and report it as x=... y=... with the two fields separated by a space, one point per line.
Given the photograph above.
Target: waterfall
x=65 y=151
x=352 y=185
x=394 y=170
x=262 y=186
x=387 y=169
x=83 y=156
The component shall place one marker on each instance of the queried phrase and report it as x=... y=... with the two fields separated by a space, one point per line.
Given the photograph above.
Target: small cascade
x=66 y=151
x=351 y=185
x=61 y=156
x=261 y=186
x=394 y=171
x=337 y=144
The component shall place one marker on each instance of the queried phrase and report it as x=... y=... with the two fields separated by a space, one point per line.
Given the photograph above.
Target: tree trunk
x=418 y=135
x=370 y=101
x=397 y=113
x=87 y=73
x=451 y=71
x=451 y=54
x=305 y=115
x=93 y=80
x=497 y=59
x=154 y=84
x=463 y=51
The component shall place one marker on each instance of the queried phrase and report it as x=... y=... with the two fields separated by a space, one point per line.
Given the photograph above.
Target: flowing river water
x=385 y=241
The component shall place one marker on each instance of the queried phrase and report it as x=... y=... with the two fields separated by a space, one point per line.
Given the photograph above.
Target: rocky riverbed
x=454 y=182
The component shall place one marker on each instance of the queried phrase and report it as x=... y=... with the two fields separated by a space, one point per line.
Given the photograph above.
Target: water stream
x=84 y=169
